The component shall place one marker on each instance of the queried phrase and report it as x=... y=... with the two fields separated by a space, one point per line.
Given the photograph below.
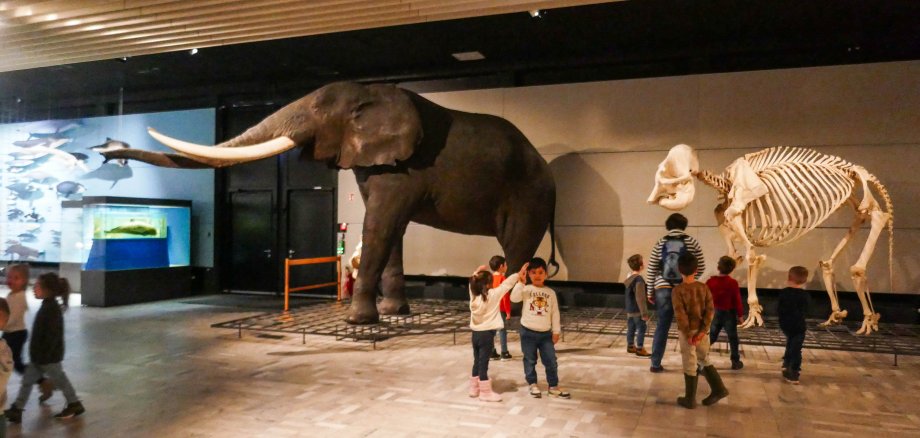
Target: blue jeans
x=53 y=371
x=482 y=348
x=635 y=328
x=728 y=320
x=665 y=312
x=503 y=333
x=531 y=342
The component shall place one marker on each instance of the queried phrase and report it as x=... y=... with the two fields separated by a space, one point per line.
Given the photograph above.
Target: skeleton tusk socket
x=235 y=154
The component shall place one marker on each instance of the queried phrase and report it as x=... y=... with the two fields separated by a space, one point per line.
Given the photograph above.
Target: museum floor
x=159 y=370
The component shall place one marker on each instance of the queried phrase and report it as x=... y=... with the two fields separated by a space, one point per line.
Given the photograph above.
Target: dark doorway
x=311 y=233
x=278 y=207
x=252 y=246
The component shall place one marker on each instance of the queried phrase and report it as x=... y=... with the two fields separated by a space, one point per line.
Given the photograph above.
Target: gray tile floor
x=159 y=370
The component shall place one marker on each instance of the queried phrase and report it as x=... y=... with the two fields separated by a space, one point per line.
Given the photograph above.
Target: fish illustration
x=70 y=189
x=137 y=229
x=14 y=213
x=112 y=145
x=34 y=217
x=110 y=172
x=27 y=237
x=26 y=192
x=24 y=252
x=40 y=177
x=51 y=143
x=52 y=128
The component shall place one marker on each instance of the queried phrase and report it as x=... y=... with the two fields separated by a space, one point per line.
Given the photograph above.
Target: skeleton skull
x=674 y=187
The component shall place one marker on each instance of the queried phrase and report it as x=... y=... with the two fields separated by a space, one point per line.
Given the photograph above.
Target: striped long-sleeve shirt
x=653 y=267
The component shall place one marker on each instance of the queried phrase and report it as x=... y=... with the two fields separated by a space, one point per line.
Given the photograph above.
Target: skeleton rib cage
x=804 y=188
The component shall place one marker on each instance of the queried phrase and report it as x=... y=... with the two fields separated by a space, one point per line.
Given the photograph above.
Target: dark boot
x=715 y=384
x=689 y=399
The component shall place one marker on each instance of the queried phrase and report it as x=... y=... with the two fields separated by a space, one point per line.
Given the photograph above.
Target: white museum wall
x=604 y=140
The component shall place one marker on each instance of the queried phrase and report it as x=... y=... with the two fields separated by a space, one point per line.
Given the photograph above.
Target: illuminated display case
x=128 y=250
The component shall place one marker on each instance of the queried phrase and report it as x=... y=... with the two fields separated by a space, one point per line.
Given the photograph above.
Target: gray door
x=253 y=262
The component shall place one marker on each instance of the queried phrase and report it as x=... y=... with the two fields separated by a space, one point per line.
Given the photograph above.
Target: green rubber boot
x=689 y=399
x=715 y=384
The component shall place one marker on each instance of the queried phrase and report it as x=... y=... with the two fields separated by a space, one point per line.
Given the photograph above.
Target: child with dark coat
x=636 y=312
x=791 y=309
x=46 y=348
x=726 y=297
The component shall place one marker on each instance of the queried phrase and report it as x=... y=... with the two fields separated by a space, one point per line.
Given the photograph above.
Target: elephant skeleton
x=775 y=196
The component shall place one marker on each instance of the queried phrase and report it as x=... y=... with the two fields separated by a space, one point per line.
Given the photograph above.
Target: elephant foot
x=362 y=314
x=393 y=306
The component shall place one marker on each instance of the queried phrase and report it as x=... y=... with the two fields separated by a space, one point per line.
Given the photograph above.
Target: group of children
x=540 y=324
x=702 y=311
x=46 y=344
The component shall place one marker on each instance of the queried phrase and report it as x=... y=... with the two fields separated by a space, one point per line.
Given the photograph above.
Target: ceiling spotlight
x=468 y=56
x=537 y=13
x=193 y=52
x=123 y=59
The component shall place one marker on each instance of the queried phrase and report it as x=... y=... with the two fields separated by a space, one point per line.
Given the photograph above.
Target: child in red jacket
x=726 y=297
x=499 y=267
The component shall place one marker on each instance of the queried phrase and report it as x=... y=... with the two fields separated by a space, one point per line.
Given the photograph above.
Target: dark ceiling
x=639 y=38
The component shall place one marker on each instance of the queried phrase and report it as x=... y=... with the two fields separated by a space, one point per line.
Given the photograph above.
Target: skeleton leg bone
x=858 y=272
x=827 y=270
x=735 y=231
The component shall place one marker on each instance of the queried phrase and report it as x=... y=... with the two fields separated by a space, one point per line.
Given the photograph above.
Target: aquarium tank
x=118 y=234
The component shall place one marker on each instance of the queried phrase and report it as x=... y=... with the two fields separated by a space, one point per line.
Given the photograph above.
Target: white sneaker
x=535 y=391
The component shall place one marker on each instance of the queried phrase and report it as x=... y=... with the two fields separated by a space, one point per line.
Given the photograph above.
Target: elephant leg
x=520 y=236
x=393 y=284
x=387 y=214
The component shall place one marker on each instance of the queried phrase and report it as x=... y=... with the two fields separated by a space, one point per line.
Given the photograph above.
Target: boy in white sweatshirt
x=485 y=319
x=540 y=328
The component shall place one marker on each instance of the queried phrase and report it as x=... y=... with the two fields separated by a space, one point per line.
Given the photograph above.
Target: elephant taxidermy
x=413 y=160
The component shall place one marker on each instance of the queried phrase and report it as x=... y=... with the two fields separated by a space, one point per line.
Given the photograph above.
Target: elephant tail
x=553 y=264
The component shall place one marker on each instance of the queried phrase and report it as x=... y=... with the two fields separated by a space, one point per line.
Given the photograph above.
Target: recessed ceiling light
x=73 y=22
x=51 y=17
x=468 y=56
x=537 y=13
x=193 y=52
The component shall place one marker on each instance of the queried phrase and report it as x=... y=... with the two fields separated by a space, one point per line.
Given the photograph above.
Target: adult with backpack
x=662 y=274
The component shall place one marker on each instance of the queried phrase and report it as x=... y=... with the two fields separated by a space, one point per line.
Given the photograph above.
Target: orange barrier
x=298 y=262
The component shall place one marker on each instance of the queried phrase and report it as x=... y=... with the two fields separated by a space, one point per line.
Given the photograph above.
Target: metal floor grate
x=428 y=317
x=895 y=339
x=431 y=317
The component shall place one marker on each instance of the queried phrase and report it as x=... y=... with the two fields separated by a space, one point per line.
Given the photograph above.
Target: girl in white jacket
x=485 y=319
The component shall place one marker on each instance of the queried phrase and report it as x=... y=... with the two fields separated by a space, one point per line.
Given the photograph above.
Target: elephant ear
x=381 y=127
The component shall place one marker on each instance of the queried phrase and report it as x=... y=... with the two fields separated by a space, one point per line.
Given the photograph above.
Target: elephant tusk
x=235 y=154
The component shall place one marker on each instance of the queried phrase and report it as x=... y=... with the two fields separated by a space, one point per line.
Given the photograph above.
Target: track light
x=193 y=52
x=537 y=13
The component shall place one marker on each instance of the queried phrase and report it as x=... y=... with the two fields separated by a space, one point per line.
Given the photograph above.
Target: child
x=46 y=348
x=6 y=360
x=15 y=333
x=636 y=313
x=484 y=320
x=540 y=327
x=726 y=297
x=693 y=311
x=499 y=267
x=793 y=303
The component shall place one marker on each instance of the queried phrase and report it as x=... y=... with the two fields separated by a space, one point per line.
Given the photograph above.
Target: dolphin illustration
x=112 y=145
